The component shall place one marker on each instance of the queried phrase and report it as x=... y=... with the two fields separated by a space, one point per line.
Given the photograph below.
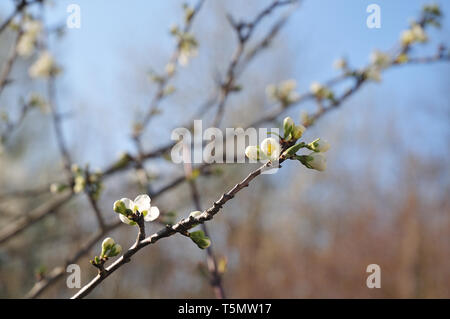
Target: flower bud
x=116 y=250
x=252 y=152
x=320 y=145
x=288 y=125
x=108 y=243
x=119 y=207
x=317 y=161
x=298 y=131
x=200 y=239
x=107 y=246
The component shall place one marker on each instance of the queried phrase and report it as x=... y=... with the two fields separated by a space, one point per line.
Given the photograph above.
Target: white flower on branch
x=127 y=208
x=269 y=149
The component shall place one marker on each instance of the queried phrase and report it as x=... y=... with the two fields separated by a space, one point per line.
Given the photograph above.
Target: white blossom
x=140 y=204
x=271 y=148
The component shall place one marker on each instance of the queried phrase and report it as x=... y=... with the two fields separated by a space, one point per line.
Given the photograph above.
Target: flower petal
x=152 y=214
x=126 y=220
x=129 y=204
x=142 y=202
x=271 y=148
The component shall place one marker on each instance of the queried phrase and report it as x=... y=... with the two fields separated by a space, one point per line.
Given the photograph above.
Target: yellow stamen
x=269 y=149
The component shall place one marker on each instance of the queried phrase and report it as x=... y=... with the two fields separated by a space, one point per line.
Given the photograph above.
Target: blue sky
x=96 y=58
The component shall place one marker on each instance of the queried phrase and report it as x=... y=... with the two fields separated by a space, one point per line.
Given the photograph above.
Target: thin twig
x=244 y=31
x=181 y=226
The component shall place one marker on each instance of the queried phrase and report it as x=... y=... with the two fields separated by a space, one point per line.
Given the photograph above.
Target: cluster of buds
x=27 y=42
x=315 y=159
x=130 y=211
x=321 y=92
x=284 y=92
x=431 y=15
x=44 y=66
x=187 y=44
x=287 y=147
x=109 y=249
x=292 y=132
